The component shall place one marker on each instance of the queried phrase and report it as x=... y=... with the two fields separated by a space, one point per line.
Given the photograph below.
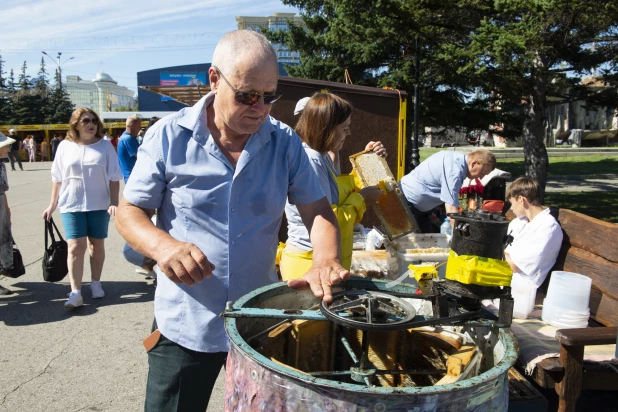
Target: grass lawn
x=601 y=205
x=558 y=166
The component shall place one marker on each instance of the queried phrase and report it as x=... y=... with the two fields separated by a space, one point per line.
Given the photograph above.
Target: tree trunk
x=535 y=154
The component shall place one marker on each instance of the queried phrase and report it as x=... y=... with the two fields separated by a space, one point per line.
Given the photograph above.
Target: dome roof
x=104 y=77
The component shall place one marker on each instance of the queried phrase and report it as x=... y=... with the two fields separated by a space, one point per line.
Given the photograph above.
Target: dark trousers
x=14 y=155
x=423 y=219
x=180 y=379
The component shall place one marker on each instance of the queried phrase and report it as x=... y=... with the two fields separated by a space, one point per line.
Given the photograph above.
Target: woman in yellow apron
x=324 y=126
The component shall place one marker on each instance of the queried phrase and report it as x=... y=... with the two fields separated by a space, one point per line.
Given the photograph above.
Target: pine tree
x=25 y=81
x=5 y=101
x=10 y=92
x=26 y=104
x=42 y=91
x=61 y=104
x=483 y=62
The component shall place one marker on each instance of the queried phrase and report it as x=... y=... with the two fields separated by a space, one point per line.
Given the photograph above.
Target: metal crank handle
x=292 y=314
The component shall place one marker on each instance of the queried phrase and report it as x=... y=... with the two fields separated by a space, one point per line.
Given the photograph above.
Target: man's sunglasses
x=88 y=120
x=249 y=98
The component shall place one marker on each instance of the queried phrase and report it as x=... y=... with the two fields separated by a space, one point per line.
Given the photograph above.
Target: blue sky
x=119 y=37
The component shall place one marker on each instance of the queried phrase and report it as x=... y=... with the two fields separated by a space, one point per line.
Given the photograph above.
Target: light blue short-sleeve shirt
x=231 y=215
x=436 y=180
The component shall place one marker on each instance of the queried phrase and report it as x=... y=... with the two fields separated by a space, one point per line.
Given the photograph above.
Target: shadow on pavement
x=34 y=303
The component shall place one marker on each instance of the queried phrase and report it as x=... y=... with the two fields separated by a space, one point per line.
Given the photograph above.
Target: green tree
x=5 y=100
x=26 y=104
x=536 y=53
x=9 y=93
x=483 y=62
x=42 y=92
x=60 y=103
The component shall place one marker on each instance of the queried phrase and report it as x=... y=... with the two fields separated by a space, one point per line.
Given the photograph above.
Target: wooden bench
x=589 y=248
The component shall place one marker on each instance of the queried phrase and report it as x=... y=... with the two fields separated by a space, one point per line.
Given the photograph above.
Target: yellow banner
x=33 y=127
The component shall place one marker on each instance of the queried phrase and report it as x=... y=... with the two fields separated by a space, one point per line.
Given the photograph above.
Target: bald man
x=219 y=174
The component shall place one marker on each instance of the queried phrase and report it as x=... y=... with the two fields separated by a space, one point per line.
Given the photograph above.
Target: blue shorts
x=81 y=224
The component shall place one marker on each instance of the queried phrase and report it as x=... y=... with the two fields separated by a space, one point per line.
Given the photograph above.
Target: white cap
x=300 y=106
x=5 y=141
x=11 y=131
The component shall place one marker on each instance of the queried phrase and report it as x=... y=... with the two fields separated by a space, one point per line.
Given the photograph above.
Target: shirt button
x=233 y=243
x=233 y=209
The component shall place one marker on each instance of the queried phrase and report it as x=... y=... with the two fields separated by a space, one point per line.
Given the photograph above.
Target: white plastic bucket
x=569 y=291
x=564 y=319
x=524 y=301
x=567 y=302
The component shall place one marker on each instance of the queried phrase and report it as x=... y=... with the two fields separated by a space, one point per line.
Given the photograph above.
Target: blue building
x=169 y=89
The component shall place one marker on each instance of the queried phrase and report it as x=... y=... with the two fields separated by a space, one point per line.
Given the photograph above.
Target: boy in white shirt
x=537 y=235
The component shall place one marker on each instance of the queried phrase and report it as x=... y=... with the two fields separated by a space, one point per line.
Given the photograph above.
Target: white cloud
x=66 y=20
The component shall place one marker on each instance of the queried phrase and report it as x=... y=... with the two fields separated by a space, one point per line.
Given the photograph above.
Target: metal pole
x=58 y=66
x=416 y=158
x=59 y=73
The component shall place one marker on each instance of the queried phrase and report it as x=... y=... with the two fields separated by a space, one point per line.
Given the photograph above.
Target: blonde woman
x=85 y=187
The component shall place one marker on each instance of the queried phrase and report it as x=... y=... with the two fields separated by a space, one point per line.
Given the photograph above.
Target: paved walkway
x=589 y=183
x=90 y=359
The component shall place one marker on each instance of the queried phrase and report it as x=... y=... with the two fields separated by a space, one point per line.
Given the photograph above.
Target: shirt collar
x=538 y=219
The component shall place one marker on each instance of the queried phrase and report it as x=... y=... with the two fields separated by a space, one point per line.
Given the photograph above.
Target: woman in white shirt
x=85 y=187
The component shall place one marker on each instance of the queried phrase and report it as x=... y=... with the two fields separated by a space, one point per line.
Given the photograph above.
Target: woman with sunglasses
x=323 y=126
x=85 y=187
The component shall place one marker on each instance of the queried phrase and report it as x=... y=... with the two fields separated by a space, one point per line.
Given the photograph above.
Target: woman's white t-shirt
x=85 y=172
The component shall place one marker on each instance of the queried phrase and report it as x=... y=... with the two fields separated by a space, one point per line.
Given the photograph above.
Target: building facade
x=278 y=21
x=102 y=94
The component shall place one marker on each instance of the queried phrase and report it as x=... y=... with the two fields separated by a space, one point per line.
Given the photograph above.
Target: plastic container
x=567 y=302
x=405 y=259
x=446 y=228
x=423 y=241
x=524 y=301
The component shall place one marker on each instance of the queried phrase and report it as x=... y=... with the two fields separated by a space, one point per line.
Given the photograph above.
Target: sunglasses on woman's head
x=88 y=120
x=249 y=98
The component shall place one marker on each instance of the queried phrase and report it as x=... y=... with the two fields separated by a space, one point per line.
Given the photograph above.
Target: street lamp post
x=417 y=99
x=59 y=66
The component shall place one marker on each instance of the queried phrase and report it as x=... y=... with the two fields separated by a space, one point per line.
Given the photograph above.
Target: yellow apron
x=349 y=211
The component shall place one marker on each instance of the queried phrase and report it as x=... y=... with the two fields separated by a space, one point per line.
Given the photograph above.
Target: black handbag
x=18 y=268
x=55 y=266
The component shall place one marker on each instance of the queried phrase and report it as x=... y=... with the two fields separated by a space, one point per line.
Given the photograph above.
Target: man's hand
x=320 y=279
x=183 y=262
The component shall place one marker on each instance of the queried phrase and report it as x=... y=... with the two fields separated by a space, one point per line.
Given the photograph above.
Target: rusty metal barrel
x=258 y=379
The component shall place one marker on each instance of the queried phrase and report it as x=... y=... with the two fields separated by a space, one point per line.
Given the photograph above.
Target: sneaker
x=141 y=271
x=97 y=290
x=75 y=300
